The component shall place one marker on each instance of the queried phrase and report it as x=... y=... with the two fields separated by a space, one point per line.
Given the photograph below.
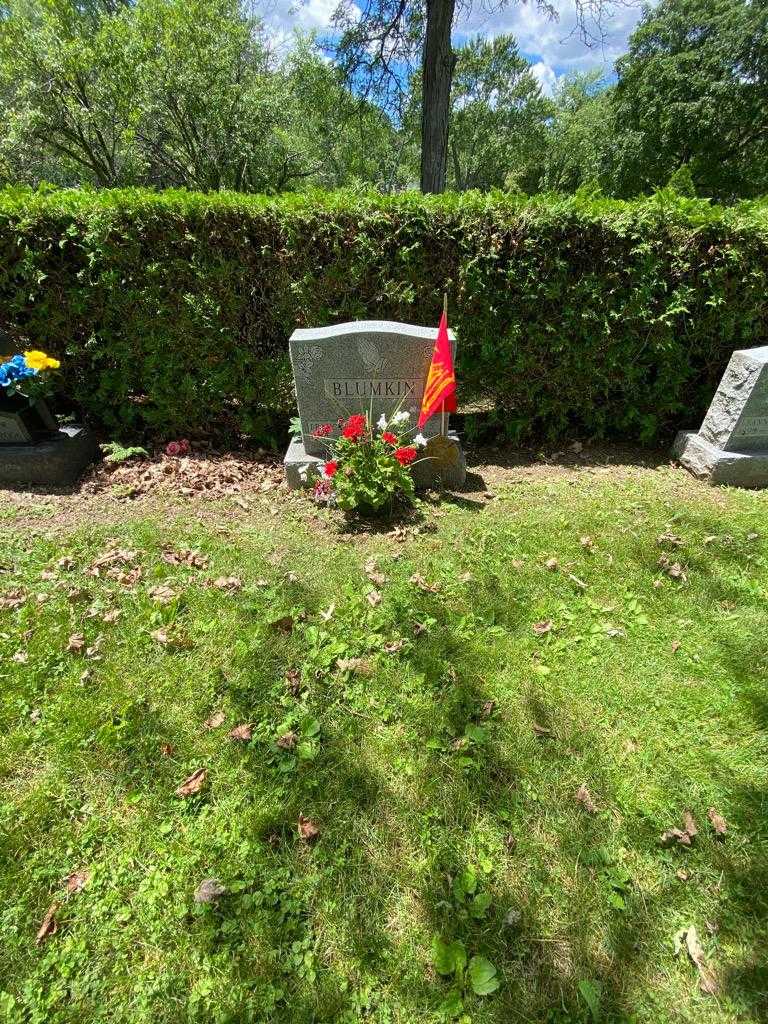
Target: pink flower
x=405 y=456
x=324 y=430
x=173 y=448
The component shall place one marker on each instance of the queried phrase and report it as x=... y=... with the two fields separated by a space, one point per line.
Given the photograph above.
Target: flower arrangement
x=368 y=466
x=20 y=375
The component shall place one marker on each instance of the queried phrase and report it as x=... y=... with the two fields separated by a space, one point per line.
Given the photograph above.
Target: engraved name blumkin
x=378 y=387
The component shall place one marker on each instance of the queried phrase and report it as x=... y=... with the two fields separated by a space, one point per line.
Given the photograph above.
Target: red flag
x=440 y=389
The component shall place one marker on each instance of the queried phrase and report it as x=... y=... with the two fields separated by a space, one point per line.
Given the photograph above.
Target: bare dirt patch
x=248 y=481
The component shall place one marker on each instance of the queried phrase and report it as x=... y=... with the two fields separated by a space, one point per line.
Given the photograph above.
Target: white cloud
x=554 y=45
x=282 y=18
x=545 y=76
x=559 y=44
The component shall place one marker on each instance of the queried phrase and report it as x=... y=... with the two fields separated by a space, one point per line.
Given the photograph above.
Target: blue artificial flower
x=14 y=370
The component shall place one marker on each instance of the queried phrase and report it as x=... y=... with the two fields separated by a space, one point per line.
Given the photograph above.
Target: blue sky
x=554 y=47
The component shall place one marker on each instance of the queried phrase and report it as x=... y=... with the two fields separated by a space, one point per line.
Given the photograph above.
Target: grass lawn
x=432 y=713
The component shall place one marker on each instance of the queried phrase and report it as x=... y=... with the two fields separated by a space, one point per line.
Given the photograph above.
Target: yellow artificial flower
x=40 y=361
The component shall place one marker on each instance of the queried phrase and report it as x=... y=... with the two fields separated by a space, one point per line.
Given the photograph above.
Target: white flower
x=420 y=440
x=401 y=417
x=303 y=473
x=382 y=424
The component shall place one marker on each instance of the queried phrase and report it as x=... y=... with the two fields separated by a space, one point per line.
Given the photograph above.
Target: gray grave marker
x=374 y=366
x=732 y=445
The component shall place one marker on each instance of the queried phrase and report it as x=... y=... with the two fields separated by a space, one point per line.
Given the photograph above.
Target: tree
x=214 y=114
x=580 y=135
x=176 y=93
x=381 y=42
x=498 y=116
x=345 y=139
x=693 y=89
x=69 y=77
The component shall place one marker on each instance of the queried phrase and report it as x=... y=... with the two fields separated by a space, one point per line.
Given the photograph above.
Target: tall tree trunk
x=437 y=74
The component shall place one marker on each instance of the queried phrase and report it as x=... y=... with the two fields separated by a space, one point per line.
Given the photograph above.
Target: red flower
x=324 y=430
x=405 y=456
x=330 y=468
x=389 y=437
x=354 y=428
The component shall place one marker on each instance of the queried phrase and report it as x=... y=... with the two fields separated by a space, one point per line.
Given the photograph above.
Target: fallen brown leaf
x=192 y=785
x=12 y=600
x=421 y=583
x=674 y=570
x=718 y=822
x=675 y=646
x=542 y=733
x=373 y=597
x=214 y=721
x=707 y=979
x=77 y=880
x=669 y=538
x=552 y=564
x=683 y=875
x=209 y=891
x=584 y=797
x=682 y=836
x=243 y=732
x=230 y=583
x=363 y=666
x=162 y=594
x=540 y=628
x=394 y=646
x=293 y=681
x=675 y=835
x=374 y=575
x=76 y=643
x=689 y=824
x=308 y=830
x=49 y=926
x=487 y=708
x=187 y=557
x=287 y=741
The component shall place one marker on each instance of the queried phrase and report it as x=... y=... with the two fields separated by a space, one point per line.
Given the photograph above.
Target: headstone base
x=706 y=461
x=56 y=462
x=426 y=473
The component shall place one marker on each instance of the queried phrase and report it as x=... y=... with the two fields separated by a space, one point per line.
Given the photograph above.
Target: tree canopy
x=194 y=93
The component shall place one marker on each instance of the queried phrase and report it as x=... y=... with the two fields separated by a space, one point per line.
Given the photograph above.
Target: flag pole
x=443 y=430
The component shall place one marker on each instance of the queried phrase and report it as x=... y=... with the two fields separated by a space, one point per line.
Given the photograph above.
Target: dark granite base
x=57 y=462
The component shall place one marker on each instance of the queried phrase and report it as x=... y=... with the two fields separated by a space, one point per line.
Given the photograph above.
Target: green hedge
x=576 y=316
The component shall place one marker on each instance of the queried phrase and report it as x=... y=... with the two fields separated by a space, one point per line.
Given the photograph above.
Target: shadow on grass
x=341 y=930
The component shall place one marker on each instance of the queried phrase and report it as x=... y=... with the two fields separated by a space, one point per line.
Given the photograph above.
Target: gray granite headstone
x=369 y=366
x=732 y=445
